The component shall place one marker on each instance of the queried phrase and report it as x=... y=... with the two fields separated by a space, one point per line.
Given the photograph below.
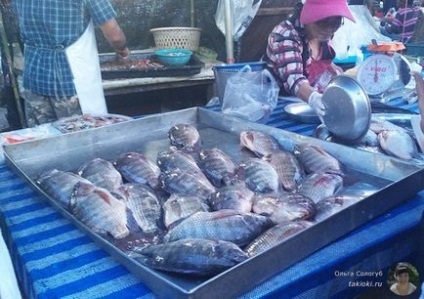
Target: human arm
x=115 y=37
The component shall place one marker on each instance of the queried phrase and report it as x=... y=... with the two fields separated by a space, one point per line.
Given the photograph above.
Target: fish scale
x=318 y=186
x=178 y=207
x=260 y=176
x=288 y=168
x=315 y=159
x=261 y=144
x=218 y=166
x=101 y=173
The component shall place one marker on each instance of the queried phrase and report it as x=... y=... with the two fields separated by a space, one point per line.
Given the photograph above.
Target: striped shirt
x=47 y=28
x=287 y=55
x=404 y=23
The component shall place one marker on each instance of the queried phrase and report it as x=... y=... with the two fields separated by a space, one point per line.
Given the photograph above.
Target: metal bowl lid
x=347 y=108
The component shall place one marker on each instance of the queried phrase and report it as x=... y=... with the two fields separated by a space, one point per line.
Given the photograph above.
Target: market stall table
x=54 y=259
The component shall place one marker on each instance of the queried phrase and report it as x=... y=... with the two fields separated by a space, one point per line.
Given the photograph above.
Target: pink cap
x=315 y=10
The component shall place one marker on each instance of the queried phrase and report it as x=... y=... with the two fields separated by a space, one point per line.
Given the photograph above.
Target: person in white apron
x=62 y=72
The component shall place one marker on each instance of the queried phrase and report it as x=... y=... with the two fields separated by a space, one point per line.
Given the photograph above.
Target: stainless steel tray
x=398 y=181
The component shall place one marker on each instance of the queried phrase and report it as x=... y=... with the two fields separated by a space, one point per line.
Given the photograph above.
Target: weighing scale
x=385 y=73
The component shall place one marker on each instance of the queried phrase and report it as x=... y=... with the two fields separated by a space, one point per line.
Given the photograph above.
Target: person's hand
x=124 y=54
x=315 y=101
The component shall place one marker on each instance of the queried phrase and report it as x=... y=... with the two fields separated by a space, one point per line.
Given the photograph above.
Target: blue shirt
x=47 y=28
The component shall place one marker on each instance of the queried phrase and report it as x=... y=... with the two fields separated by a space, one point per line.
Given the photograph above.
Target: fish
x=178 y=207
x=217 y=166
x=226 y=225
x=378 y=125
x=101 y=173
x=259 y=143
x=235 y=197
x=333 y=204
x=186 y=183
x=274 y=236
x=173 y=158
x=185 y=136
x=192 y=256
x=317 y=186
x=288 y=169
x=398 y=144
x=146 y=208
x=314 y=159
x=288 y=206
x=99 y=210
x=137 y=168
x=259 y=175
x=59 y=185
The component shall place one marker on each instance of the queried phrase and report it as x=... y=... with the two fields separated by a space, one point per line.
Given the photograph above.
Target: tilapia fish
x=191 y=256
x=315 y=159
x=178 y=207
x=185 y=136
x=288 y=168
x=186 y=183
x=261 y=144
x=101 y=173
x=145 y=207
x=137 y=168
x=332 y=205
x=227 y=225
x=235 y=197
x=60 y=185
x=398 y=144
x=259 y=175
x=99 y=210
x=317 y=186
x=288 y=206
x=173 y=158
x=275 y=235
x=217 y=166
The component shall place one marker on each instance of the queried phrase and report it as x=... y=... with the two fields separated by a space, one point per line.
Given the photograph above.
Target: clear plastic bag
x=251 y=95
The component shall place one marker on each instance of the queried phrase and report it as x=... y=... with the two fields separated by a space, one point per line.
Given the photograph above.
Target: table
x=53 y=259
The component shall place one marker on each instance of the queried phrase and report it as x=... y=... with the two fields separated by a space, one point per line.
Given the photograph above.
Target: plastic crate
x=224 y=72
x=415 y=49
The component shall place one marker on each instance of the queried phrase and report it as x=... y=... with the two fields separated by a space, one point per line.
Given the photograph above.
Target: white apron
x=85 y=66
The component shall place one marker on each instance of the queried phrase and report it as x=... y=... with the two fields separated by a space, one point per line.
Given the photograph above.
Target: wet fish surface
x=60 y=185
x=178 y=207
x=185 y=136
x=227 y=225
x=315 y=159
x=259 y=143
x=145 y=207
x=217 y=166
x=317 y=186
x=288 y=169
x=234 y=197
x=99 y=210
x=398 y=144
x=191 y=256
x=137 y=168
x=259 y=175
x=173 y=158
x=101 y=173
x=274 y=236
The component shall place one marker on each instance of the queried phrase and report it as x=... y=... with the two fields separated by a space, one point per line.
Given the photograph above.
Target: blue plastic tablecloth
x=54 y=259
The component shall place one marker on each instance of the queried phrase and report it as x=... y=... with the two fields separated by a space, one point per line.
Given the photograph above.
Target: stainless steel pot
x=348 y=108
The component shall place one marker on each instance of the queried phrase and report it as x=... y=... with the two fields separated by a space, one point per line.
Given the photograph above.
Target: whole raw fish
x=227 y=225
x=59 y=185
x=178 y=207
x=316 y=159
x=99 y=210
x=191 y=256
x=261 y=144
x=137 y=168
x=101 y=173
x=173 y=158
x=185 y=136
x=275 y=235
x=332 y=205
x=398 y=144
x=145 y=207
x=317 y=186
x=217 y=166
x=235 y=197
x=288 y=169
x=186 y=183
x=259 y=175
x=288 y=206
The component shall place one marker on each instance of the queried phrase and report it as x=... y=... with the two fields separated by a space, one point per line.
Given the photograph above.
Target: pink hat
x=315 y=10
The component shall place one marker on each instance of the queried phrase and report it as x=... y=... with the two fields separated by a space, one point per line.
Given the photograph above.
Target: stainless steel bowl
x=302 y=112
x=348 y=108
